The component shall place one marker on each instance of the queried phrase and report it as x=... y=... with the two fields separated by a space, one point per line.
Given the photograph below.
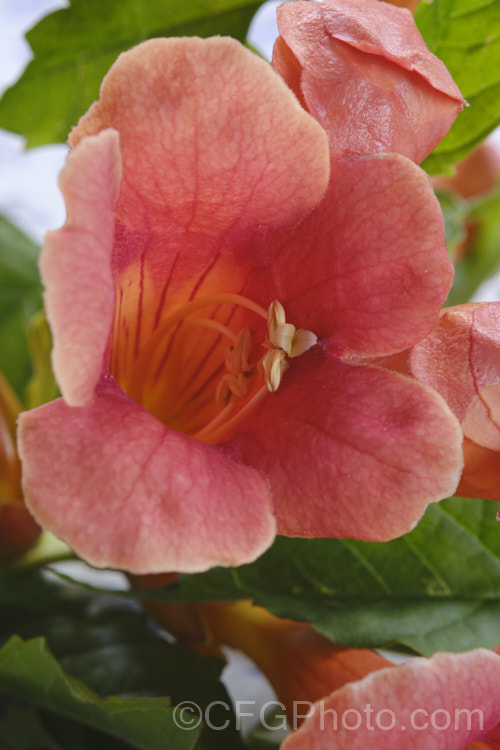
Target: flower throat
x=211 y=361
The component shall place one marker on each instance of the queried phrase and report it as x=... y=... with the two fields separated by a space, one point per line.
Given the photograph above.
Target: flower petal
x=213 y=143
x=210 y=138
x=301 y=664
x=368 y=267
x=75 y=265
x=396 y=95
x=443 y=703
x=461 y=361
x=481 y=474
x=351 y=451
x=127 y=492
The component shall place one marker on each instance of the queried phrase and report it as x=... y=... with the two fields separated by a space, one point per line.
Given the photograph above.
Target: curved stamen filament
x=176 y=357
x=212 y=433
x=175 y=373
x=209 y=323
x=198 y=304
x=145 y=355
x=188 y=408
x=216 y=421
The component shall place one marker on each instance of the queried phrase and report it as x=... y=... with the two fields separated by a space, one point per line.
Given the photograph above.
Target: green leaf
x=42 y=386
x=25 y=727
x=455 y=211
x=465 y=34
x=21 y=728
x=114 y=651
x=433 y=589
x=76 y=46
x=29 y=671
x=20 y=298
x=482 y=257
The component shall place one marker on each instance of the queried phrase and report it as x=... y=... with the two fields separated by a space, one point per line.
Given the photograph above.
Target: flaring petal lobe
x=351 y=451
x=481 y=474
x=75 y=266
x=422 y=695
x=368 y=268
x=127 y=492
x=460 y=361
x=210 y=138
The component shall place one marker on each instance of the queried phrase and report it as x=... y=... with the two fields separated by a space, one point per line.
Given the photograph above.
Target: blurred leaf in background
x=481 y=258
x=20 y=299
x=470 y=201
x=75 y=47
x=42 y=386
x=113 y=651
x=455 y=212
x=29 y=671
x=435 y=589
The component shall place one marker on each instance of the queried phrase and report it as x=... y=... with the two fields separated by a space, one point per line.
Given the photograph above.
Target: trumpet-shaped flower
x=301 y=665
x=204 y=295
x=362 y=69
x=356 y=698
x=460 y=359
x=450 y=701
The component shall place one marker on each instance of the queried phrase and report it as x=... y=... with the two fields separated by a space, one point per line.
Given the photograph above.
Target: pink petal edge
x=422 y=691
x=351 y=451
x=129 y=493
x=75 y=265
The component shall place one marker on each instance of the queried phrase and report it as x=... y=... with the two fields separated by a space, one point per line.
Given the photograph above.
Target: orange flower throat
x=209 y=363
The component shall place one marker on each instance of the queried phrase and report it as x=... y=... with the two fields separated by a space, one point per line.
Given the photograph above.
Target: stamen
x=274 y=366
x=238 y=356
x=145 y=356
x=210 y=433
x=283 y=339
x=283 y=335
x=216 y=421
x=191 y=366
x=198 y=304
x=209 y=323
x=239 y=369
x=302 y=341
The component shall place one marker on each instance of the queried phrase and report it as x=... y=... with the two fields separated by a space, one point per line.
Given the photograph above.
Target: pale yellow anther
x=302 y=341
x=275 y=315
x=284 y=335
x=283 y=341
x=280 y=333
x=274 y=366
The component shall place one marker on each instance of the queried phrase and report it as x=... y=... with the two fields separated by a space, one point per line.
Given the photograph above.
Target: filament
x=212 y=434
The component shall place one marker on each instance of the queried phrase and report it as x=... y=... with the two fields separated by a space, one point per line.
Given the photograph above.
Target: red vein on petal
x=140 y=304
x=197 y=285
x=163 y=295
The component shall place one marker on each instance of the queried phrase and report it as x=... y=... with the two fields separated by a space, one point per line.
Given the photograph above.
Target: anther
x=283 y=340
x=274 y=366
